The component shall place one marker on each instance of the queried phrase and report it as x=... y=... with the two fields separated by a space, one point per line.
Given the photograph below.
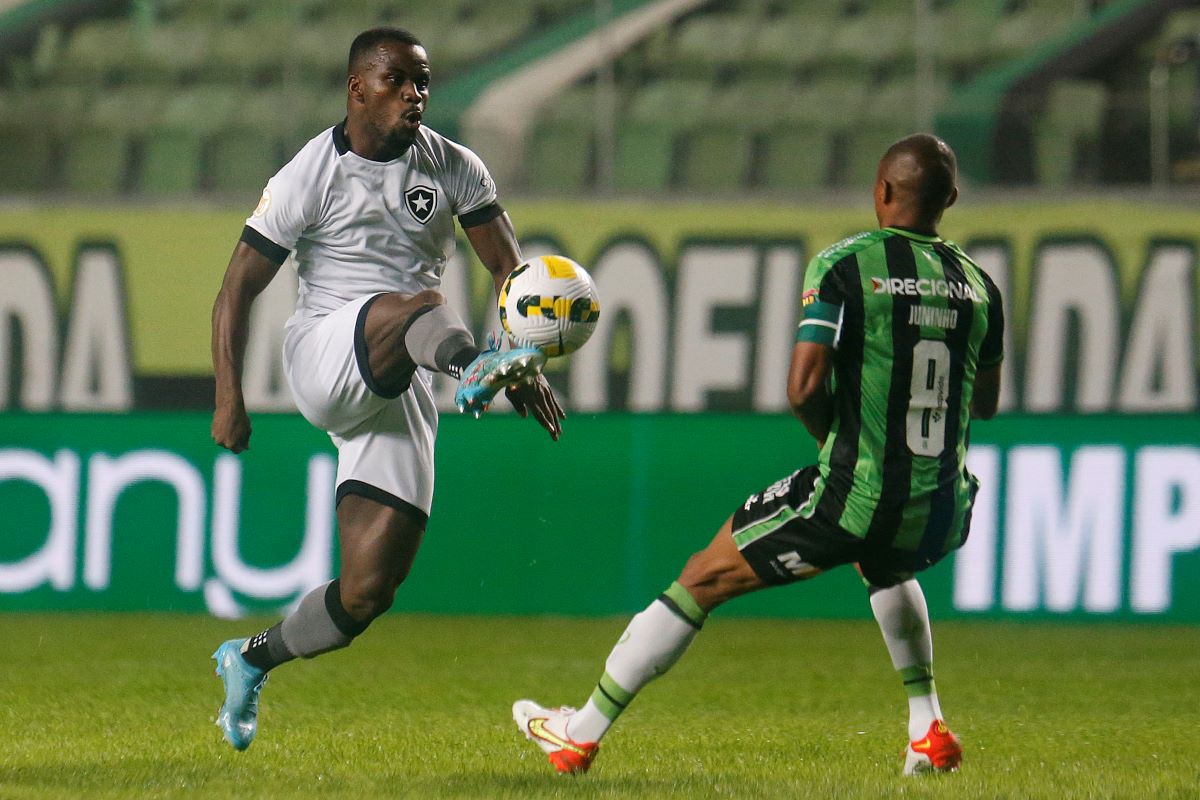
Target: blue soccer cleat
x=491 y=371
x=238 y=717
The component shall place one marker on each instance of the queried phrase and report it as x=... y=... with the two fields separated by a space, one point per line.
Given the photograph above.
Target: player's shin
x=437 y=339
x=654 y=640
x=903 y=619
x=319 y=624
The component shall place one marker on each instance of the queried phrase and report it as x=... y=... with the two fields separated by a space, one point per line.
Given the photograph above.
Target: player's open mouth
x=413 y=118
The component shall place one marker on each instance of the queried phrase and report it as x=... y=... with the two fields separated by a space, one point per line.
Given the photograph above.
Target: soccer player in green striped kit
x=898 y=350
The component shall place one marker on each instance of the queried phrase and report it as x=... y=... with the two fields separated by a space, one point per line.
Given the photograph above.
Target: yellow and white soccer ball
x=550 y=303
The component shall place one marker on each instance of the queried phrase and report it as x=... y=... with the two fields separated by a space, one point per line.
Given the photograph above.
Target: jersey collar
x=340 y=142
x=342 y=145
x=911 y=234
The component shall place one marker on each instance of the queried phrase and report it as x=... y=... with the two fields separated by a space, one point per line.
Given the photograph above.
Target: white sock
x=903 y=619
x=651 y=644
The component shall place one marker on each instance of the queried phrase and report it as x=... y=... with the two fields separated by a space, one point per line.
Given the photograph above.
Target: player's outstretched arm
x=495 y=243
x=808 y=388
x=247 y=275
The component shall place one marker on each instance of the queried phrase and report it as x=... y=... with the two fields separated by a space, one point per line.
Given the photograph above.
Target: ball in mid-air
x=550 y=303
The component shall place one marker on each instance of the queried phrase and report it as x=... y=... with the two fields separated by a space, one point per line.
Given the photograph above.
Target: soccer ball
x=550 y=303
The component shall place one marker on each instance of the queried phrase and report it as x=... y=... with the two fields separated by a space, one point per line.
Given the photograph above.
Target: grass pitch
x=121 y=706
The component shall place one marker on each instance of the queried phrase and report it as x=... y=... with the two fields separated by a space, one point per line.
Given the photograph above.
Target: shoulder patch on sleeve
x=264 y=203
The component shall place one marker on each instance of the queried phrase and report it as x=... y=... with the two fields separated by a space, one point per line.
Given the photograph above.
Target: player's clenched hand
x=231 y=427
x=537 y=397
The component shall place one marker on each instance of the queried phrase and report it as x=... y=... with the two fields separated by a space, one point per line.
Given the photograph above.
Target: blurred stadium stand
x=175 y=97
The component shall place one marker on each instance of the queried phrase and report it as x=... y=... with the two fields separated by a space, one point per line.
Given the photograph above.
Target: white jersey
x=360 y=227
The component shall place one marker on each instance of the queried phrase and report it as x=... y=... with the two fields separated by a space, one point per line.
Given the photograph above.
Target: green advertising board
x=1081 y=517
x=1089 y=508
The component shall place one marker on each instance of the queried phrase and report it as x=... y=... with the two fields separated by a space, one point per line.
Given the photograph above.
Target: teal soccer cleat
x=238 y=717
x=491 y=371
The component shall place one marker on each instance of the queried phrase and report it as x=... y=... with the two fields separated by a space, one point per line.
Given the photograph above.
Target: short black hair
x=368 y=41
x=929 y=174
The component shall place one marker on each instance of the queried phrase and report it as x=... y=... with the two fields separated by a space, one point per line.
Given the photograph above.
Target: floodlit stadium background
x=694 y=155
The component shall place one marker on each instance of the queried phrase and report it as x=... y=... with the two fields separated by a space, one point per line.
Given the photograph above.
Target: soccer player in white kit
x=367 y=206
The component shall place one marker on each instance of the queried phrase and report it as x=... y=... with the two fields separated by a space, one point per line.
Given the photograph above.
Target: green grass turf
x=121 y=706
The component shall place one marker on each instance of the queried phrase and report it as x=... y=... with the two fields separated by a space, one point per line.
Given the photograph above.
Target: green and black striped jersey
x=911 y=319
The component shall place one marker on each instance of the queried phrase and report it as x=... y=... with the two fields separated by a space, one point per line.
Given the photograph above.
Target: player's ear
x=885 y=191
x=952 y=198
x=354 y=88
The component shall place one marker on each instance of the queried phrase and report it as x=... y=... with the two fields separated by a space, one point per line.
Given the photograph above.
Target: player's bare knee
x=427 y=297
x=366 y=599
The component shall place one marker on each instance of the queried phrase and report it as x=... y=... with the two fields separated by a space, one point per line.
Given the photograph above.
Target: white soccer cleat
x=546 y=727
x=939 y=751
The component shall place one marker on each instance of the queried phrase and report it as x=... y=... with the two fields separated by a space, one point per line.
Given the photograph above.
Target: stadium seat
x=130 y=109
x=219 y=11
x=250 y=53
x=963 y=33
x=789 y=43
x=716 y=159
x=171 y=54
x=1017 y=33
x=26 y=159
x=684 y=101
x=95 y=161
x=705 y=44
x=832 y=102
x=284 y=12
x=771 y=99
x=170 y=163
x=62 y=108
x=898 y=102
x=97 y=52
x=795 y=157
x=203 y=109
x=644 y=155
x=1067 y=132
x=559 y=157
x=865 y=144
x=873 y=38
x=240 y=160
x=318 y=61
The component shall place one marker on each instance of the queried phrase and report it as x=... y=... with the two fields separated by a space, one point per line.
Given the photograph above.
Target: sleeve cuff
x=274 y=253
x=480 y=216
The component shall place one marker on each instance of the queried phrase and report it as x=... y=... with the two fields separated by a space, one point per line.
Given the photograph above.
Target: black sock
x=461 y=360
x=267 y=650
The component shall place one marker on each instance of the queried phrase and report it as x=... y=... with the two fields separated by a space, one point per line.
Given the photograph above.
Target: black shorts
x=785 y=538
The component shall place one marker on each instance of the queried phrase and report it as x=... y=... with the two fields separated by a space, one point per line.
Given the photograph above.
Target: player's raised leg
x=653 y=641
x=403 y=332
x=378 y=545
x=903 y=618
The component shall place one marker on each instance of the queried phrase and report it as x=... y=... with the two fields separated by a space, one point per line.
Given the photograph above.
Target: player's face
x=395 y=88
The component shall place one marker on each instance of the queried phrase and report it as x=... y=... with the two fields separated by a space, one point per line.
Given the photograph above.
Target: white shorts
x=385 y=444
